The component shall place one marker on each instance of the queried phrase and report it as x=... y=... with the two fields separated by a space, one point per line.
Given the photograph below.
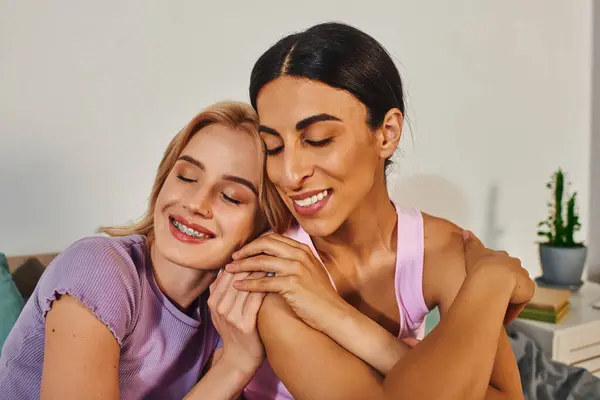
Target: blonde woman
x=128 y=316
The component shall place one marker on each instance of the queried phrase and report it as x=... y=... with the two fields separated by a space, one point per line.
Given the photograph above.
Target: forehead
x=225 y=151
x=287 y=100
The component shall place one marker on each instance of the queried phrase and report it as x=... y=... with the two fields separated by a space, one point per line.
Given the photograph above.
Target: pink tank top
x=409 y=293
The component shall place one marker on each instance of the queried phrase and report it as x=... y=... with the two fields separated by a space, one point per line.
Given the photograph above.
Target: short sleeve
x=101 y=274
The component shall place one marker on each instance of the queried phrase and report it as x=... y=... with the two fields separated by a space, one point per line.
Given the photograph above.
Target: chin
x=197 y=257
x=193 y=262
x=319 y=227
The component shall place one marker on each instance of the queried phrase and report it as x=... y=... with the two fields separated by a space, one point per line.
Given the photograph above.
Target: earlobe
x=391 y=131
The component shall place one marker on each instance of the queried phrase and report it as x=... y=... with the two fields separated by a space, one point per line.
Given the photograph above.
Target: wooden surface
x=15 y=262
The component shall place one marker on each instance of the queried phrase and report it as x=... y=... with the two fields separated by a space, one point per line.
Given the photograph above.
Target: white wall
x=91 y=92
x=594 y=214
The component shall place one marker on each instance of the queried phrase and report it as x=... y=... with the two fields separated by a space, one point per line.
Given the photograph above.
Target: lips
x=310 y=203
x=187 y=231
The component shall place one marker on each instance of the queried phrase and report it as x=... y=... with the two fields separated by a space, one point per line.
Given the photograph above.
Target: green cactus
x=560 y=233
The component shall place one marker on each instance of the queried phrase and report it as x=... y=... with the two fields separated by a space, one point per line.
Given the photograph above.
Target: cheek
x=170 y=193
x=346 y=160
x=275 y=169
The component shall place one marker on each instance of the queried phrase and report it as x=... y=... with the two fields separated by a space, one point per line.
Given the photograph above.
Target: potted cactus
x=562 y=258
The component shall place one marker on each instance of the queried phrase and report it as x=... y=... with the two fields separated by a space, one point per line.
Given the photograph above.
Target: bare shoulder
x=441 y=234
x=444 y=262
x=81 y=356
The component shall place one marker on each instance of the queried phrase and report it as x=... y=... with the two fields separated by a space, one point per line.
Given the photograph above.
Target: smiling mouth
x=312 y=200
x=189 y=231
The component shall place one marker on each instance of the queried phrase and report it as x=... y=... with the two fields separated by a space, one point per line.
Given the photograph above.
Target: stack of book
x=547 y=305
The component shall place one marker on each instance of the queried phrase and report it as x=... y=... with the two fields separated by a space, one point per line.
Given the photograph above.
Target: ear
x=389 y=133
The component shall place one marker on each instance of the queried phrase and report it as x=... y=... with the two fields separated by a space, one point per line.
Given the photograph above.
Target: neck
x=182 y=285
x=369 y=229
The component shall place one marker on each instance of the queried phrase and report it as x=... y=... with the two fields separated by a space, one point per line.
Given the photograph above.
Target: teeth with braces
x=309 y=201
x=189 y=231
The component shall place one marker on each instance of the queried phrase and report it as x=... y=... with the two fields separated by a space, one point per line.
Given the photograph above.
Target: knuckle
x=294 y=281
x=305 y=249
x=297 y=266
x=221 y=310
x=257 y=274
x=240 y=276
x=246 y=328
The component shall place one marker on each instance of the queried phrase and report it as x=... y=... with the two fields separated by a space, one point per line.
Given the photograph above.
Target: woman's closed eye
x=314 y=143
x=184 y=179
x=230 y=199
x=274 y=151
x=319 y=143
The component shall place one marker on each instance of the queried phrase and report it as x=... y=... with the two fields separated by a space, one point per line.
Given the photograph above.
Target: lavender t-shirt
x=163 y=350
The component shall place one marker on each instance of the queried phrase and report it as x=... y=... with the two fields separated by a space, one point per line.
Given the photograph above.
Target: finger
x=253 y=305
x=264 y=263
x=215 y=283
x=270 y=284
x=303 y=248
x=239 y=304
x=227 y=295
x=267 y=245
x=219 y=288
x=412 y=342
x=513 y=312
x=288 y=240
x=473 y=247
x=470 y=238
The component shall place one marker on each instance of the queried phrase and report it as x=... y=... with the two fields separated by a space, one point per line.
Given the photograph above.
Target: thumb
x=472 y=246
x=412 y=342
x=470 y=240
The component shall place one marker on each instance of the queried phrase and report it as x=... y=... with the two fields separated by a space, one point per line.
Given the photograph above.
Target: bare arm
x=81 y=360
x=459 y=353
x=234 y=314
x=444 y=274
x=222 y=381
x=310 y=363
x=81 y=356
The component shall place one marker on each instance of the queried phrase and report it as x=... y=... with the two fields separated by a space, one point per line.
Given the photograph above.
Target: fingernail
x=466 y=235
x=228 y=267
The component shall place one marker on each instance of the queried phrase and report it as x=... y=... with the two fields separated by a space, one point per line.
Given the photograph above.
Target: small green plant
x=560 y=231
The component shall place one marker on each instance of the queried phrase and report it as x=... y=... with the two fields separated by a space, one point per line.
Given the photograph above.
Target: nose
x=200 y=202
x=297 y=168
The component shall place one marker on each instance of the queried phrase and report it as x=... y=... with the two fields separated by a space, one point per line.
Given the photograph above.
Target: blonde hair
x=231 y=114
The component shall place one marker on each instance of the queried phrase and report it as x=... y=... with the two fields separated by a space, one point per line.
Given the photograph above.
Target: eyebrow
x=303 y=124
x=230 y=178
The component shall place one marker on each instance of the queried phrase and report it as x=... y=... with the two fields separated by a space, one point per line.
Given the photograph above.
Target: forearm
x=376 y=346
x=222 y=381
x=505 y=382
x=364 y=338
x=308 y=362
x=460 y=352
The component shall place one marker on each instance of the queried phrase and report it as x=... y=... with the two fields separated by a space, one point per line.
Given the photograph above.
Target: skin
x=459 y=353
x=81 y=358
x=355 y=236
